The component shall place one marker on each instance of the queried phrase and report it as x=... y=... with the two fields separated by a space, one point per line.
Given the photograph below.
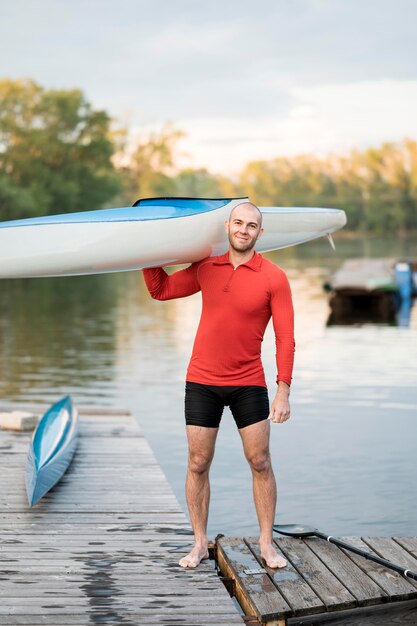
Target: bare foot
x=194 y=558
x=271 y=557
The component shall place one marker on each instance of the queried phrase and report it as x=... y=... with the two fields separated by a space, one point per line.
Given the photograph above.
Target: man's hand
x=280 y=407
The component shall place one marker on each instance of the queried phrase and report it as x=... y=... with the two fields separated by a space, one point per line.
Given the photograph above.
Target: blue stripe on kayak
x=149 y=209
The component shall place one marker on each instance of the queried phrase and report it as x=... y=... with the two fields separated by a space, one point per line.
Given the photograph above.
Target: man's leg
x=255 y=439
x=201 y=445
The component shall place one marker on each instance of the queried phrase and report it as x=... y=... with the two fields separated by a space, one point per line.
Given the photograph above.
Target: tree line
x=58 y=154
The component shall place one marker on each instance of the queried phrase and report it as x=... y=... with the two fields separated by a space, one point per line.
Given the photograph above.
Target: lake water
x=346 y=461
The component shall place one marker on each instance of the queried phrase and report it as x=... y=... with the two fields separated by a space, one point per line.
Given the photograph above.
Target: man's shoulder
x=272 y=269
x=207 y=261
x=202 y=265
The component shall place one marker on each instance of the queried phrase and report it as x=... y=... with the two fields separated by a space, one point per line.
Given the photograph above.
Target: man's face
x=243 y=228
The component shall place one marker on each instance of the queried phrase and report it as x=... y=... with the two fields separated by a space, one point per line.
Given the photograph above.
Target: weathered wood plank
x=53 y=607
x=332 y=591
x=297 y=592
x=146 y=546
x=33 y=516
x=360 y=585
x=115 y=540
x=389 y=549
x=111 y=618
x=95 y=489
x=108 y=507
x=256 y=593
x=401 y=613
x=69 y=494
x=128 y=530
x=59 y=578
x=408 y=543
x=95 y=563
x=70 y=592
x=392 y=583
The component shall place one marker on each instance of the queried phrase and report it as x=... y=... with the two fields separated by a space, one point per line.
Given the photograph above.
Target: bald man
x=241 y=291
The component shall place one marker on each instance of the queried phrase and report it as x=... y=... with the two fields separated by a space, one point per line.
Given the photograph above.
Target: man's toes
x=192 y=560
x=276 y=562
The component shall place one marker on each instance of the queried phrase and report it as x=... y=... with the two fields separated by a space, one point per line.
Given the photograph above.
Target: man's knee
x=199 y=463
x=260 y=462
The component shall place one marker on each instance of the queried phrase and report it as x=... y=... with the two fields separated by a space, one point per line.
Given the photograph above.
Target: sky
x=245 y=80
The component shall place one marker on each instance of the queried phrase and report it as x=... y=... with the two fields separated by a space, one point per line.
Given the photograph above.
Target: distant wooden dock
x=103 y=546
x=367 y=289
x=322 y=584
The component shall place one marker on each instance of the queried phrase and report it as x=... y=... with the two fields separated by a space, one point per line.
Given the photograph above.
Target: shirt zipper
x=227 y=285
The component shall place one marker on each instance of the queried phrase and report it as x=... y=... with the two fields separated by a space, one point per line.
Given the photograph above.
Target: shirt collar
x=254 y=263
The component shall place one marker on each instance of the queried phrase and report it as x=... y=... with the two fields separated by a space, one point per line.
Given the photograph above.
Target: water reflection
x=55 y=335
x=349 y=447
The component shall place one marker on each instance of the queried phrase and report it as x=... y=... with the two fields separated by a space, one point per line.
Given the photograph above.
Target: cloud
x=323 y=119
x=242 y=77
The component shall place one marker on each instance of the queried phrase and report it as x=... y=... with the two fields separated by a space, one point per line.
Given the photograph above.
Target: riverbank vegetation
x=58 y=154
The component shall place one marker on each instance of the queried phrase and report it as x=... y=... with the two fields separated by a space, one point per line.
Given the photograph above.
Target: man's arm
x=283 y=321
x=162 y=286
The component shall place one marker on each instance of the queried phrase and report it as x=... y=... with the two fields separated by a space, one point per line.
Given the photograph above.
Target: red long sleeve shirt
x=237 y=306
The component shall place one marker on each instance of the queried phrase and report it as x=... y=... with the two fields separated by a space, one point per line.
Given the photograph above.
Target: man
x=240 y=292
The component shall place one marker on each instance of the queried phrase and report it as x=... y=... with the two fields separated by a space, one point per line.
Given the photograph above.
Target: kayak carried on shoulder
x=153 y=232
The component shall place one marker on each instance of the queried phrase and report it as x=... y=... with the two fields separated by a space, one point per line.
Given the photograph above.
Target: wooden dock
x=103 y=546
x=322 y=583
x=364 y=290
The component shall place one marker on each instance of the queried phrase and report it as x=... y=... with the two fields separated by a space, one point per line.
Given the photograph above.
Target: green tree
x=55 y=151
x=377 y=187
x=14 y=201
x=200 y=183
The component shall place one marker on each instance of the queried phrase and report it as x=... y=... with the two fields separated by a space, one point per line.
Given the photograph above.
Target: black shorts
x=204 y=404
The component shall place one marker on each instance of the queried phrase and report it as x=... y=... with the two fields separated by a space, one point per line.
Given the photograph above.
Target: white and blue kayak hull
x=51 y=450
x=154 y=232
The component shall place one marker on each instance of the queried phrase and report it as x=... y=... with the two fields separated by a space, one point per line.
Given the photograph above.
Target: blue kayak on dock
x=51 y=449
